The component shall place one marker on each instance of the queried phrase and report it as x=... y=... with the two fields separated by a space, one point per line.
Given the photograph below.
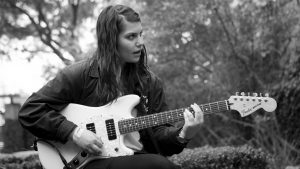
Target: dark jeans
x=139 y=161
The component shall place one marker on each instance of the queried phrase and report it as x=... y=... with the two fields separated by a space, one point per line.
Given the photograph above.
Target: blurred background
x=203 y=50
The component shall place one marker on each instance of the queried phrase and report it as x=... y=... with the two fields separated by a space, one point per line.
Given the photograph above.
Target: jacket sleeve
x=40 y=113
x=165 y=135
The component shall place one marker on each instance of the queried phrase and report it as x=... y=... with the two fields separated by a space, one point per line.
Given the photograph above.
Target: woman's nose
x=140 y=41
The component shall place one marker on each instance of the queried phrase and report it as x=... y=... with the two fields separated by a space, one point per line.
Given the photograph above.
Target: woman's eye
x=131 y=37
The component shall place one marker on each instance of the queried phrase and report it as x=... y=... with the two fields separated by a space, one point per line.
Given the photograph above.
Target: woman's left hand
x=192 y=122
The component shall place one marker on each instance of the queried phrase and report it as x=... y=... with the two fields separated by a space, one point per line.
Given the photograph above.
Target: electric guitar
x=116 y=122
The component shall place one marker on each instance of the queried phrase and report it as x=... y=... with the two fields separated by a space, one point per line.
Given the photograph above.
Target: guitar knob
x=243 y=93
x=255 y=94
x=260 y=94
x=236 y=93
x=83 y=154
x=267 y=95
x=76 y=162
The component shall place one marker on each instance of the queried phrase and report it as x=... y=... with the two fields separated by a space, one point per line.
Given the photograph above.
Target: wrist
x=182 y=140
x=77 y=132
x=182 y=137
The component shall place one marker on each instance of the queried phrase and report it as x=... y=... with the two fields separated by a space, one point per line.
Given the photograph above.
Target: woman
x=117 y=68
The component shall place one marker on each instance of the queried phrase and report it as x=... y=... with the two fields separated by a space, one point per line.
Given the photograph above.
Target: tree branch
x=243 y=59
x=240 y=57
x=74 y=6
x=41 y=31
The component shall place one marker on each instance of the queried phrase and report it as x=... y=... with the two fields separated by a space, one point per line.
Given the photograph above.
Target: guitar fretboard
x=172 y=116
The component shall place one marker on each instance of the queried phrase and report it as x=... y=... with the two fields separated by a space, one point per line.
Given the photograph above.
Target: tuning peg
x=267 y=95
x=243 y=94
x=255 y=94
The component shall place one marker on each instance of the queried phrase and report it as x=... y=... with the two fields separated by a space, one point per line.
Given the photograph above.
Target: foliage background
x=203 y=50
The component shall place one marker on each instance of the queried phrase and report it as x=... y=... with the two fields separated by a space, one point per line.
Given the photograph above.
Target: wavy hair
x=108 y=29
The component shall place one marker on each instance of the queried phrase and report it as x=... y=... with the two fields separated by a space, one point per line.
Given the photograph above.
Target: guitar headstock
x=246 y=105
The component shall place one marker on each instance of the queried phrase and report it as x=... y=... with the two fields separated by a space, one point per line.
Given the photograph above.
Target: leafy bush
x=14 y=162
x=244 y=157
x=15 y=137
x=288 y=98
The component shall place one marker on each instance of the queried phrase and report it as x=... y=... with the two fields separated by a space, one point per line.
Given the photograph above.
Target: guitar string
x=136 y=124
x=141 y=122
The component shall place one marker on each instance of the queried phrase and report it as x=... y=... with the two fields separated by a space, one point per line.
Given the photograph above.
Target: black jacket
x=77 y=84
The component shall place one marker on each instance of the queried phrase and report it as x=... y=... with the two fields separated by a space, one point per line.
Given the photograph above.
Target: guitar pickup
x=91 y=127
x=111 y=130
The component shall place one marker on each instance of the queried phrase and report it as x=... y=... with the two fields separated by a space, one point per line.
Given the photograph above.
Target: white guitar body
x=118 y=110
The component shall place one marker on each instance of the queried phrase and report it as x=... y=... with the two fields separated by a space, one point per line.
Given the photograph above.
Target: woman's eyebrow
x=132 y=33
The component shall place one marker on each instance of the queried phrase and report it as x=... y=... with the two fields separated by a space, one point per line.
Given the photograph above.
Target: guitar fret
x=226 y=105
x=215 y=107
x=206 y=108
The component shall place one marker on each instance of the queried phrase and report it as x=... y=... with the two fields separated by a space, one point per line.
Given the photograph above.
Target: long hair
x=108 y=28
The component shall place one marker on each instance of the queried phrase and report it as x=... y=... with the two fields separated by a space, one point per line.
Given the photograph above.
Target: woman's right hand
x=87 y=140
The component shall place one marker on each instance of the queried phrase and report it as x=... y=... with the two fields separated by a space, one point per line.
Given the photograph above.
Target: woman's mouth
x=137 y=52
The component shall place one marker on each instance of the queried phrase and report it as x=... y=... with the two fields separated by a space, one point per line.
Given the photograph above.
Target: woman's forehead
x=130 y=27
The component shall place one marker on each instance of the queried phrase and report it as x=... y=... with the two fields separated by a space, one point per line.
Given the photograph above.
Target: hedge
x=15 y=138
x=29 y=161
x=243 y=157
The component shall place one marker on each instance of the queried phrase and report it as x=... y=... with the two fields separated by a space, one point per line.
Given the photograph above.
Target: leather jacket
x=77 y=84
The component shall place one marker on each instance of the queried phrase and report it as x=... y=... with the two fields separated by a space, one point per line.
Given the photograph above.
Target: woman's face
x=130 y=41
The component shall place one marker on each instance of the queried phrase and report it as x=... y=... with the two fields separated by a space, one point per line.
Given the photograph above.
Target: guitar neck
x=172 y=116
